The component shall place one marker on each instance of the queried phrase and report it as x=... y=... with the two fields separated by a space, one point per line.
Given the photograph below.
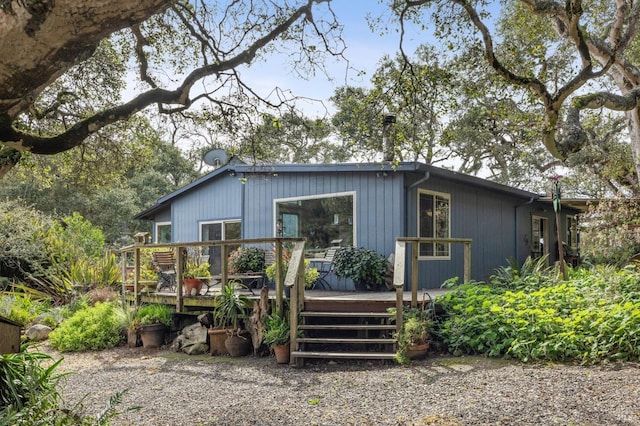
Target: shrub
x=310 y=274
x=592 y=317
x=21 y=307
x=29 y=394
x=91 y=328
x=362 y=265
x=154 y=314
x=246 y=259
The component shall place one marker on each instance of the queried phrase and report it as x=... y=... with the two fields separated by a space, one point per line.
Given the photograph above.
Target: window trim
x=222 y=222
x=316 y=197
x=443 y=195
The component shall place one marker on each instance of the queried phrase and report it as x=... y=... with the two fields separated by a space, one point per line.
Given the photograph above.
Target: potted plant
x=246 y=260
x=229 y=308
x=277 y=335
x=153 y=320
x=192 y=276
x=310 y=274
x=365 y=267
x=413 y=339
x=127 y=319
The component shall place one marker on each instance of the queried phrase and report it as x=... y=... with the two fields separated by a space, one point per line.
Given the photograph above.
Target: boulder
x=192 y=340
x=38 y=332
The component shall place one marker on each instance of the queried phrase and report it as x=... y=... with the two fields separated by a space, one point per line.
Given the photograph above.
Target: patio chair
x=165 y=265
x=325 y=267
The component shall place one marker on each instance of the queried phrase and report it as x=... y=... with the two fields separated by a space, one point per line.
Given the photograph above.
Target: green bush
x=21 y=307
x=593 y=317
x=29 y=394
x=362 y=265
x=154 y=314
x=246 y=259
x=91 y=328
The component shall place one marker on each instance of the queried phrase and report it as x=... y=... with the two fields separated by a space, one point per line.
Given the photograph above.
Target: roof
x=237 y=167
x=8 y=321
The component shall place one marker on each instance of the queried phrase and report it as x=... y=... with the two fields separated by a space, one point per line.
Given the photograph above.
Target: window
x=163 y=232
x=325 y=220
x=434 y=222
x=218 y=231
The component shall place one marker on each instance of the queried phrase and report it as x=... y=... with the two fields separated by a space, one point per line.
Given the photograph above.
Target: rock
x=38 y=332
x=192 y=335
x=196 y=349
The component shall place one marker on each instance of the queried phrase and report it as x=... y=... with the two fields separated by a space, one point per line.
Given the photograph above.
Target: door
x=539 y=236
x=219 y=231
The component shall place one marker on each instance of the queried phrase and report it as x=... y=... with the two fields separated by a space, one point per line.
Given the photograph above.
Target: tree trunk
x=256 y=323
x=41 y=39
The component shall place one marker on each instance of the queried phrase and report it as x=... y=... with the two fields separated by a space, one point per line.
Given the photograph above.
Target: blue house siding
x=216 y=200
x=496 y=217
x=476 y=213
x=379 y=204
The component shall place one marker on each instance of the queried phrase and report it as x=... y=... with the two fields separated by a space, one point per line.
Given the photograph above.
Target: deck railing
x=399 y=265
x=180 y=250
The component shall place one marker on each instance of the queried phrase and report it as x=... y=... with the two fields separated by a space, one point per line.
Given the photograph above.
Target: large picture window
x=325 y=220
x=434 y=213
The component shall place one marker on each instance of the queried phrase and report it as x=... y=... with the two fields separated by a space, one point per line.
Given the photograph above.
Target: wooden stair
x=345 y=335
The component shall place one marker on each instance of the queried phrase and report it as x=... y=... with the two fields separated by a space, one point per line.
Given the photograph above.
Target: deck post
x=136 y=275
x=415 y=249
x=279 y=278
x=123 y=270
x=398 y=282
x=224 y=266
x=467 y=261
x=179 y=262
x=292 y=280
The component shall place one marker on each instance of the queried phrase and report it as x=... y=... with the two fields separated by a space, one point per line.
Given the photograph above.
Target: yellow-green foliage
x=91 y=328
x=595 y=316
x=21 y=307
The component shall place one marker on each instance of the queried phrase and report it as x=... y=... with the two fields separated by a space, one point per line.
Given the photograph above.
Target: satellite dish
x=216 y=157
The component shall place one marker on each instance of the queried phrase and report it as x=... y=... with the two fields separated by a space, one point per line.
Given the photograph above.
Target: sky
x=364 y=52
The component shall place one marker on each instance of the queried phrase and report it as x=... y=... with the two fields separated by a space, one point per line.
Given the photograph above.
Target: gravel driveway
x=177 y=389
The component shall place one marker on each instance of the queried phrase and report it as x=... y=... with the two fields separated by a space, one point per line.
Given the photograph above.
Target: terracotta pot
x=217 y=337
x=192 y=286
x=132 y=338
x=152 y=335
x=238 y=345
x=282 y=353
x=418 y=351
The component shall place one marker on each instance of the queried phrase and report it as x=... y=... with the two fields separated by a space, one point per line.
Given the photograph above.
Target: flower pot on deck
x=192 y=286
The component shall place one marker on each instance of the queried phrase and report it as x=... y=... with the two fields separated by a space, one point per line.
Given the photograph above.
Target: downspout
x=515 y=220
x=423 y=179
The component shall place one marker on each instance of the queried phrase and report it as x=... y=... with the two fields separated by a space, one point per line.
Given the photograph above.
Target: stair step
x=344 y=355
x=347 y=314
x=346 y=340
x=347 y=327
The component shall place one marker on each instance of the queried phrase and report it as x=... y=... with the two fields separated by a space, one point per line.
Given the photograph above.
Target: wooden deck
x=327 y=299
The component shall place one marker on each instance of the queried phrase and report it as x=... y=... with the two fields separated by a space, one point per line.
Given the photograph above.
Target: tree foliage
x=186 y=53
x=570 y=56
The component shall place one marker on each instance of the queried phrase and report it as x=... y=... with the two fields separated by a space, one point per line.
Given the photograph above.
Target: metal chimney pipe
x=387 y=142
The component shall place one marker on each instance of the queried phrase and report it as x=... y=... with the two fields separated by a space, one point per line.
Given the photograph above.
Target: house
x=369 y=205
